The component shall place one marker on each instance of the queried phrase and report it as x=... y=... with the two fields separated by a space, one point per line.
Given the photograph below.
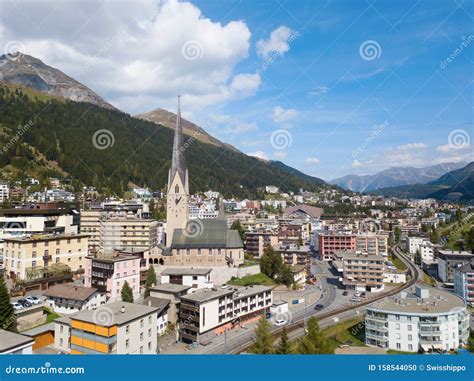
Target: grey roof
x=160 y=303
x=10 y=340
x=466 y=267
x=111 y=314
x=186 y=271
x=212 y=233
x=41 y=329
x=70 y=291
x=437 y=302
x=170 y=288
x=239 y=292
x=177 y=160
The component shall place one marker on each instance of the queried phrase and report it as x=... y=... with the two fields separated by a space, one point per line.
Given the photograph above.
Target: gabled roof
x=311 y=211
x=70 y=291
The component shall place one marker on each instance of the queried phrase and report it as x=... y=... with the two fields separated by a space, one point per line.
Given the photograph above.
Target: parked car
x=345 y=293
x=25 y=303
x=355 y=299
x=318 y=307
x=33 y=299
x=362 y=295
x=17 y=306
x=281 y=322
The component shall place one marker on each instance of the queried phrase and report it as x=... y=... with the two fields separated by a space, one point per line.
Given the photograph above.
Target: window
x=127 y=329
x=127 y=343
x=57 y=251
x=398 y=346
x=149 y=345
x=149 y=332
x=397 y=326
x=33 y=254
x=33 y=264
x=57 y=259
x=199 y=251
x=141 y=336
x=141 y=349
x=410 y=337
x=410 y=347
x=176 y=189
x=141 y=323
x=149 y=319
x=188 y=252
x=210 y=251
x=409 y=327
x=61 y=328
x=61 y=342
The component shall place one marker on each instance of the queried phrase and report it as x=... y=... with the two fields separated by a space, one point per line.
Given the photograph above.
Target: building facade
x=363 y=272
x=447 y=262
x=464 y=282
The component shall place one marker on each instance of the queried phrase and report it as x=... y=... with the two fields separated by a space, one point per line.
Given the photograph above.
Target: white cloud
x=411 y=146
x=136 y=54
x=356 y=164
x=283 y=116
x=280 y=154
x=259 y=154
x=279 y=42
x=312 y=161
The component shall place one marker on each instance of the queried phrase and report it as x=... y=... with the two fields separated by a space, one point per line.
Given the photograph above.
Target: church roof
x=177 y=159
x=209 y=233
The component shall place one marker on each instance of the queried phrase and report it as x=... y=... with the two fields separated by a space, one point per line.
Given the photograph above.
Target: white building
x=413 y=244
x=4 y=191
x=196 y=278
x=393 y=276
x=427 y=252
x=68 y=298
x=420 y=318
x=271 y=189
x=15 y=344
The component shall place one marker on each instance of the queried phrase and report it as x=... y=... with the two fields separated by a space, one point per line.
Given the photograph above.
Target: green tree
x=270 y=262
x=150 y=280
x=264 y=339
x=236 y=225
x=285 y=276
x=7 y=314
x=284 y=345
x=314 y=342
x=434 y=236
x=469 y=238
x=127 y=293
x=397 y=234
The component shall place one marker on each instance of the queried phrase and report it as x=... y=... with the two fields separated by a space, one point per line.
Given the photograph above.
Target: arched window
x=176 y=189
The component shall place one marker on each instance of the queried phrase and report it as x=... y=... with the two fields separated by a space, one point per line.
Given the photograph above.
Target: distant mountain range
x=454 y=185
x=33 y=73
x=395 y=176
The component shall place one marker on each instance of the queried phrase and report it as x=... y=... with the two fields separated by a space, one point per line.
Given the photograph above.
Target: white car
x=281 y=322
x=33 y=299
x=17 y=306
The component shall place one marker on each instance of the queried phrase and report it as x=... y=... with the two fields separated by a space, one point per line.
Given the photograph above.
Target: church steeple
x=177 y=160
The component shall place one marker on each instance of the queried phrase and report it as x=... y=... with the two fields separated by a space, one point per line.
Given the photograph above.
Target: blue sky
x=329 y=87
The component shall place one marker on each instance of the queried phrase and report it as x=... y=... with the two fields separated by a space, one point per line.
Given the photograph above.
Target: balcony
x=376 y=336
x=189 y=307
x=379 y=318
x=189 y=327
x=377 y=327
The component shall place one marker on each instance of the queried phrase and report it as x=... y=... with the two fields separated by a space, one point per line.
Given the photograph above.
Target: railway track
x=414 y=277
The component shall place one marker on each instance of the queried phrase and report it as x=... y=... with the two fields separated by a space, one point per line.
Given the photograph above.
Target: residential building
x=25 y=255
x=413 y=244
x=394 y=276
x=207 y=312
x=363 y=272
x=4 y=191
x=196 y=278
x=12 y=343
x=162 y=306
x=420 y=318
x=109 y=272
x=115 y=328
x=68 y=298
x=173 y=293
x=294 y=255
x=328 y=242
x=372 y=243
x=464 y=282
x=90 y=225
x=448 y=260
x=257 y=241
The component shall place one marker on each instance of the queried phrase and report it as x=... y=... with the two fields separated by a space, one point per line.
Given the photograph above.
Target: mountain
x=454 y=185
x=33 y=73
x=395 y=176
x=44 y=136
x=168 y=119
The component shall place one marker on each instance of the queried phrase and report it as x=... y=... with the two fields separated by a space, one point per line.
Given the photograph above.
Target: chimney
x=149 y=302
x=122 y=310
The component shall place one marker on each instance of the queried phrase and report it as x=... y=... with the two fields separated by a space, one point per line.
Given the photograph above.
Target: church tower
x=178 y=185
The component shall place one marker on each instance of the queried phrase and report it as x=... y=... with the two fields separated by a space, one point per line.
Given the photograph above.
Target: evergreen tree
x=314 y=342
x=285 y=276
x=236 y=225
x=7 y=315
x=150 y=280
x=270 y=263
x=127 y=293
x=434 y=236
x=264 y=339
x=284 y=346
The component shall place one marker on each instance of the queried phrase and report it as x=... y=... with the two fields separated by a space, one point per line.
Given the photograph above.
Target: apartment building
x=448 y=260
x=464 y=282
x=172 y=293
x=257 y=241
x=363 y=272
x=115 y=328
x=4 y=191
x=373 y=244
x=290 y=234
x=294 y=255
x=420 y=318
x=90 y=225
x=196 y=278
x=413 y=244
x=27 y=254
x=109 y=272
x=208 y=312
x=328 y=242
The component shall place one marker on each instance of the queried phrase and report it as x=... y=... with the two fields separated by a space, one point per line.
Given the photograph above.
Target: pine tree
x=7 y=313
x=264 y=339
x=127 y=293
x=236 y=225
x=150 y=280
x=314 y=342
x=284 y=346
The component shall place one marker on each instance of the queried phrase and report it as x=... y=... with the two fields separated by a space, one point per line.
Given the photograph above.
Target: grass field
x=398 y=263
x=351 y=332
x=251 y=280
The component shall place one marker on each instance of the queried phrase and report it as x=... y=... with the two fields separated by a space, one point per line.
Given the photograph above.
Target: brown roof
x=70 y=291
x=312 y=211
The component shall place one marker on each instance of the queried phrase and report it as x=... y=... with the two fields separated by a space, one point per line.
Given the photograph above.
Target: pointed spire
x=177 y=160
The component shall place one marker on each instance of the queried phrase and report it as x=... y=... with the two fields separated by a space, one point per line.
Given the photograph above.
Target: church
x=196 y=242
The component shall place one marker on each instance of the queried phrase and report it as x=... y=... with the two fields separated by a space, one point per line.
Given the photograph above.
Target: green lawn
x=394 y=352
x=250 y=280
x=428 y=280
x=350 y=332
x=398 y=263
x=51 y=315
